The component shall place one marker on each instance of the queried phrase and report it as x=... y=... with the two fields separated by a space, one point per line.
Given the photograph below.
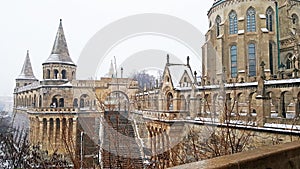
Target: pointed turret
x=60 y=52
x=59 y=65
x=26 y=73
x=111 y=71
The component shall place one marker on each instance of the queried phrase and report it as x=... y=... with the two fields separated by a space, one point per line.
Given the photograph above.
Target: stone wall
x=269 y=157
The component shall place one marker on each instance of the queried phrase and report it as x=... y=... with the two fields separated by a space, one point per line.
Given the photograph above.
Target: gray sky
x=32 y=25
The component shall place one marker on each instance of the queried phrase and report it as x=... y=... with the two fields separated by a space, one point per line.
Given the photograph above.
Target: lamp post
x=281 y=70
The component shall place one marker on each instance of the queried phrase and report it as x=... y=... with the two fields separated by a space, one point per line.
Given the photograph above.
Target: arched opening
x=251 y=20
x=51 y=127
x=269 y=19
x=285 y=107
x=70 y=131
x=54 y=102
x=289 y=61
x=169 y=101
x=73 y=75
x=44 y=128
x=75 y=103
x=47 y=74
x=57 y=132
x=55 y=73
x=65 y=128
x=64 y=74
x=117 y=101
x=218 y=22
x=40 y=101
x=233 y=24
x=61 y=102
x=84 y=101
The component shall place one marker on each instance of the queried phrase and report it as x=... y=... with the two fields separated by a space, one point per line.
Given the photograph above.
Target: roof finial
x=188 y=60
x=168 y=59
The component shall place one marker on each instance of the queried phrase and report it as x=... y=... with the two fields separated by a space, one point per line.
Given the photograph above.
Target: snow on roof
x=282 y=81
x=177 y=71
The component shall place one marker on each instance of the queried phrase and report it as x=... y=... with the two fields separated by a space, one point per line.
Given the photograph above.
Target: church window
x=252 y=59
x=218 y=22
x=233 y=25
x=269 y=19
x=251 y=21
x=233 y=56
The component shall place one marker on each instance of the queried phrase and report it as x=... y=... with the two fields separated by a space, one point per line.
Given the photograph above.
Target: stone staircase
x=120 y=149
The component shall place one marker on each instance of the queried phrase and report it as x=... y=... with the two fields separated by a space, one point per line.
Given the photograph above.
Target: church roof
x=60 y=52
x=177 y=71
x=26 y=72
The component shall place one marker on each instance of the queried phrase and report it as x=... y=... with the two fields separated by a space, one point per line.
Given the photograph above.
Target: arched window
x=252 y=59
x=47 y=74
x=251 y=21
x=55 y=74
x=64 y=74
x=269 y=19
x=218 y=22
x=233 y=25
x=295 y=19
x=75 y=103
x=233 y=58
x=61 y=102
x=73 y=75
x=169 y=101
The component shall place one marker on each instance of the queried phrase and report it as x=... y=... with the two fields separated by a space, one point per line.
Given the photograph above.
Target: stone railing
x=285 y=156
x=164 y=115
x=53 y=110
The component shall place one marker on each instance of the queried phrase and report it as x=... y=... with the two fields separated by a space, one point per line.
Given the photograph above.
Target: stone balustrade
x=285 y=156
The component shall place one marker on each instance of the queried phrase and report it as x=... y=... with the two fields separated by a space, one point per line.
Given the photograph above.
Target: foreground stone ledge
x=281 y=156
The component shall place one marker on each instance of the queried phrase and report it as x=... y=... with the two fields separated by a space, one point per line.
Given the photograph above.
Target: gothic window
x=269 y=19
x=233 y=25
x=251 y=21
x=218 y=22
x=295 y=19
x=252 y=59
x=233 y=58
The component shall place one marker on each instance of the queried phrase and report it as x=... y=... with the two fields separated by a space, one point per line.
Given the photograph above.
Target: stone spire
x=26 y=73
x=111 y=71
x=60 y=52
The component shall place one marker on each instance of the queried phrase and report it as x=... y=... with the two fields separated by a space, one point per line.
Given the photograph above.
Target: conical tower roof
x=26 y=73
x=60 y=52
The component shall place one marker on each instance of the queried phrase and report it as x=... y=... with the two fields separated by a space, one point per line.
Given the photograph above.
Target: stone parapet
x=285 y=156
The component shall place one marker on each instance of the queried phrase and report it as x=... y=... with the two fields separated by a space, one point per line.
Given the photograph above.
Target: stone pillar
x=193 y=112
x=262 y=110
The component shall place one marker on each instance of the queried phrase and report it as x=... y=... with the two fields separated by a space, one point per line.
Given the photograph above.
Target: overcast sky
x=32 y=25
